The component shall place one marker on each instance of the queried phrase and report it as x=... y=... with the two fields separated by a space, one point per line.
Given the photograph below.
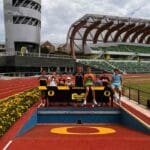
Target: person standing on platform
x=117 y=85
x=89 y=79
x=53 y=80
x=43 y=79
x=79 y=75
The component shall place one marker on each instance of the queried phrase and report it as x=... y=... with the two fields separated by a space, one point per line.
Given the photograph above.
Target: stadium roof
x=103 y=29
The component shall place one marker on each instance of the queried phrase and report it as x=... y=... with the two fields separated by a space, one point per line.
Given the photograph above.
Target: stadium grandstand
x=113 y=41
x=100 y=41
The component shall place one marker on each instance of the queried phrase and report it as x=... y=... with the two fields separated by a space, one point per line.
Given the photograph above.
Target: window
x=28 y=4
x=26 y=20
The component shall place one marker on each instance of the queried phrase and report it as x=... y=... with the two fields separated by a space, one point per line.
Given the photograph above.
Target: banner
x=65 y=94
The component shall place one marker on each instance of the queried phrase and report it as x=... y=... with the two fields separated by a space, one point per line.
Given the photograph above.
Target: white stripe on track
x=7 y=145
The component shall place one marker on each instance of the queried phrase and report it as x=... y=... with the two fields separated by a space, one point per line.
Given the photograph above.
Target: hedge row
x=13 y=108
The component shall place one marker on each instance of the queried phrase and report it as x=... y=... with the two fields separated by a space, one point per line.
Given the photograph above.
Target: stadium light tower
x=22 y=25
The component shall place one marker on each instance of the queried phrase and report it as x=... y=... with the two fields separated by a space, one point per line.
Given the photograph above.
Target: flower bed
x=13 y=108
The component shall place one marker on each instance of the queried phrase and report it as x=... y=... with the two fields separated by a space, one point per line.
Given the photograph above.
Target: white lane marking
x=7 y=145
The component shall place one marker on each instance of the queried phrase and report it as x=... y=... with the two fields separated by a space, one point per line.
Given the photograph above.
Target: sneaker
x=93 y=105
x=43 y=105
x=115 y=97
x=95 y=102
x=84 y=103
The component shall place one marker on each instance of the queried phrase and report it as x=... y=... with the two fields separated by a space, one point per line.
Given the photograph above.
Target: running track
x=14 y=86
x=40 y=138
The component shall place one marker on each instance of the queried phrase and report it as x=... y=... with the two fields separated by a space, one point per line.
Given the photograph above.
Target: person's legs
x=112 y=94
x=114 y=90
x=86 y=95
x=118 y=93
x=93 y=94
x=43 y=98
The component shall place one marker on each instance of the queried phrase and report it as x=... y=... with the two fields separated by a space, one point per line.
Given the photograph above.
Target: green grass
x=138 y=83
x=141 y=86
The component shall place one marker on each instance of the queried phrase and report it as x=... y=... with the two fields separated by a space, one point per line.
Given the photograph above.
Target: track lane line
x=7 y=145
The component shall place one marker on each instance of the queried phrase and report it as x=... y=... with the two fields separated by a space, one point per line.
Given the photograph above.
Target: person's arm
x=84 y=78
x=93 y=77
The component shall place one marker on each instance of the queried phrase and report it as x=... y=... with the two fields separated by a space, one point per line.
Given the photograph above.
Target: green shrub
x=13 y=108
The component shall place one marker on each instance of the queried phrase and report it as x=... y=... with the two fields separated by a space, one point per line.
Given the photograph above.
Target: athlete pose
x=79 y=77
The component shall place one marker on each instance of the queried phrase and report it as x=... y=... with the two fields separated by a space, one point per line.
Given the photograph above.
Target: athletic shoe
x=84 y=102
x=95 y=102
x=43 y=105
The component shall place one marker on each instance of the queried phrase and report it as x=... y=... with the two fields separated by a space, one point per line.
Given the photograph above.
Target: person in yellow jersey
x=89 y=79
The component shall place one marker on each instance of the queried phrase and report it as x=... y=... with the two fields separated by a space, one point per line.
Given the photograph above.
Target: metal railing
x=139 y=96
x=18 y=53
x=19 y=74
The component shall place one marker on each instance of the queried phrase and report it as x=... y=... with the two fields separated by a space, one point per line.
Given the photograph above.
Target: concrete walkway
x=142 y=109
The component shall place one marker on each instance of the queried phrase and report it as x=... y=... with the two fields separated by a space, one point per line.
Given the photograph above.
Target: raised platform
x=81 y=115
x=81 y=128
x=75 y=115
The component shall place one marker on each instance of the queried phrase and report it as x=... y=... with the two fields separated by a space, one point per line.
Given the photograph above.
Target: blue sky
x=58 y=15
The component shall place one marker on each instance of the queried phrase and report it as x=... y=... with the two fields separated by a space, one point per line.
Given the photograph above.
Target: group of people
x=87 y=80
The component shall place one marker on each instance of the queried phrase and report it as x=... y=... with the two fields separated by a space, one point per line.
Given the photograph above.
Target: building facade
x=22 y=25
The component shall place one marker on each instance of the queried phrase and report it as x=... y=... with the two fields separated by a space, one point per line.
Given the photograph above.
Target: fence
x=139 y=96
x=18 y=53
x=19 y=74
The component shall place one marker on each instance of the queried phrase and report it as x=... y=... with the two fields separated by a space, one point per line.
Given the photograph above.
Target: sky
x=58 y=15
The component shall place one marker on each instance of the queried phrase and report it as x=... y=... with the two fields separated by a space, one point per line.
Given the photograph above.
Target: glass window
x=25 y=21
x=28 y=4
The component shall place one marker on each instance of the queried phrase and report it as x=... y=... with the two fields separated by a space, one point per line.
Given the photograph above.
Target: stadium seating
x=123 y=66
x=132 y=67
x=124 y=48
x=98 y=64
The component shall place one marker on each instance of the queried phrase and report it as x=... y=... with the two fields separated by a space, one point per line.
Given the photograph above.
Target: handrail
x=138 y=95
x=18 y=53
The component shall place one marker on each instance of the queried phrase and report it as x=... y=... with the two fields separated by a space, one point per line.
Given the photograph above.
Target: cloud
x=58 y=15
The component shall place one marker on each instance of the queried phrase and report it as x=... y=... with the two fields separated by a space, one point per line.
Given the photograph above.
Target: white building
x=22 y=25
